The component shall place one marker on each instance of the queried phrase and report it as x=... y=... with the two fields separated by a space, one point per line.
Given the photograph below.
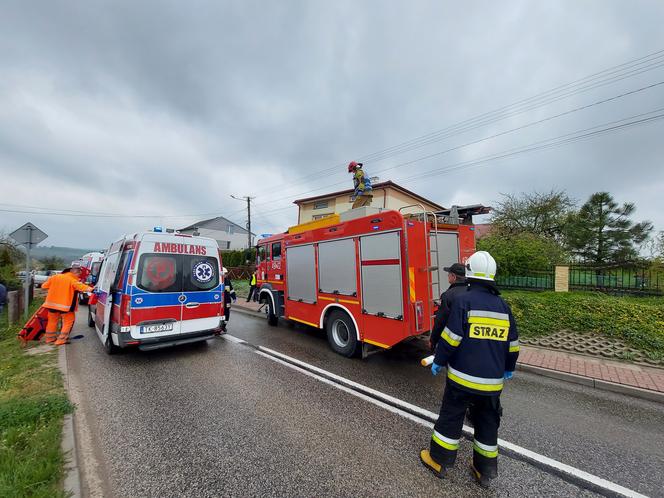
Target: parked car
x=41 y=276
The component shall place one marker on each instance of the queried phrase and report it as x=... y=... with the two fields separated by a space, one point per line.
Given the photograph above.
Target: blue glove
x=435 y=368
x=508 y=375
x=96 y=291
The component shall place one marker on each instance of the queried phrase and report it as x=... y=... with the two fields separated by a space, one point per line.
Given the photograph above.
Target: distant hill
x=68 y=254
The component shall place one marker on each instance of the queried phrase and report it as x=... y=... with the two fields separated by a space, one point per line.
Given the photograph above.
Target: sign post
x=28 y=235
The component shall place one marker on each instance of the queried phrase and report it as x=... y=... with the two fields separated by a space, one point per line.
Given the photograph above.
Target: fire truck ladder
x=431 y=245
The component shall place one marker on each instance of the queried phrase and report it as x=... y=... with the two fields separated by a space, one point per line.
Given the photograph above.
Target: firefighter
x=229 y=294
x=252 y=286
x=62 y=302
x=456 y=276
x=363 y=195
x=479 y=346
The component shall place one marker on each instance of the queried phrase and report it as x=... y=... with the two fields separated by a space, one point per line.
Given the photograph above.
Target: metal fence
x=531 y=280
x=241 y=272
x=623 y=279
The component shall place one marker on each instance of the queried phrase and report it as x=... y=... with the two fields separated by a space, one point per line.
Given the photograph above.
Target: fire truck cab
x=370 y=278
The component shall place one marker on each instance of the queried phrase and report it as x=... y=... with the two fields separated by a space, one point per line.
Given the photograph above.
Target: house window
x=321 y=204
x=228 y=244
x=320 y=216
x=230 y=229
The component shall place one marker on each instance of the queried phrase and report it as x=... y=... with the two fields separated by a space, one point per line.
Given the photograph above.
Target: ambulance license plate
x=156 y=327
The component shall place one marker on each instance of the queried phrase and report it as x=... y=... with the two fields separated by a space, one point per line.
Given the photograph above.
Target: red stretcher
x=35 y=328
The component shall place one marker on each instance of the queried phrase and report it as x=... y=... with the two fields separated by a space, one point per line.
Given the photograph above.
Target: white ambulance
x=158 y=289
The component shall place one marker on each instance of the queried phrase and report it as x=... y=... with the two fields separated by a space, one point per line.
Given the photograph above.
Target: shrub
x=637 y=321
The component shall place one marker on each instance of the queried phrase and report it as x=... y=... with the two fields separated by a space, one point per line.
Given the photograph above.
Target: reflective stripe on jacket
x=61 y=291
x=479 y=342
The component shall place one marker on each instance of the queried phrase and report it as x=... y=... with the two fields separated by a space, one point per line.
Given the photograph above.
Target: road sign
x=28 y=235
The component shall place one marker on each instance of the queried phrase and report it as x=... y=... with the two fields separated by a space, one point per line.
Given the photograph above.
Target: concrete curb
x=603 y=385
x=72 y=482
x=554 y=374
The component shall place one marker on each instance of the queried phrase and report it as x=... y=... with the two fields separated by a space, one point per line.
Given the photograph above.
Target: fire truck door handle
x=192 y=305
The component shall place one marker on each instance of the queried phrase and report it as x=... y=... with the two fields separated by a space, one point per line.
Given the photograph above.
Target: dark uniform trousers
x=484 y=413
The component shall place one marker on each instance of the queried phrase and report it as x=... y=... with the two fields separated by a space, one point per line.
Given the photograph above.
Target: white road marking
x=232 y=338
x=424 y=417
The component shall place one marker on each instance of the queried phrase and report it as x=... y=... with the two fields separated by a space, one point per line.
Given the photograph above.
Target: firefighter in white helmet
x=479 y=345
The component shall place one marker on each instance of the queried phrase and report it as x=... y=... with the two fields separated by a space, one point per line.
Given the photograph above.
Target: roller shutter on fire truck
x=382 y=289
x=337 y=267
x=301 y=273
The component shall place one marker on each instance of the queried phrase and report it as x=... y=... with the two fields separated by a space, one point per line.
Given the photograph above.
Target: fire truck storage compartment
x=381 y=275
x=448 y=253
x=337 y=267
x=301 y=273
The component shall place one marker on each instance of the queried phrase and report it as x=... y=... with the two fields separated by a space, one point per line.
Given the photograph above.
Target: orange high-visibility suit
x=61 y=302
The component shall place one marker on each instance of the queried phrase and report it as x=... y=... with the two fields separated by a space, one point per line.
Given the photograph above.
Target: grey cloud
x=169 y=107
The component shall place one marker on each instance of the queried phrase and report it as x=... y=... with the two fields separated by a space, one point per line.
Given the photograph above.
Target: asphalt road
x=217 y=419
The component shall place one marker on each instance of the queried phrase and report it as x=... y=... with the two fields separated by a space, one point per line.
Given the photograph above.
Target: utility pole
x=248 y=199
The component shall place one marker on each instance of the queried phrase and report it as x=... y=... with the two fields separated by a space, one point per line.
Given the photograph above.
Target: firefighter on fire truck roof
x=363 y=194
x=479 y=345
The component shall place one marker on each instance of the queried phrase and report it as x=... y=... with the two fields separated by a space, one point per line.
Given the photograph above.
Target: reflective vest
x=61 y=291
x=253 y=279
x=479 y=342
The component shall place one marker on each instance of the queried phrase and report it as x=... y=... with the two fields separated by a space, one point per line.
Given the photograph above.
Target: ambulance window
x=118 y=281
x=201 y=273
x=276 y=251
x=261 y=253
x=159 y=273
x=95 y=268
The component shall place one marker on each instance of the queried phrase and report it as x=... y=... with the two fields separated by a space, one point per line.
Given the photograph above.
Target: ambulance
x=91 y=262
x=158 y=289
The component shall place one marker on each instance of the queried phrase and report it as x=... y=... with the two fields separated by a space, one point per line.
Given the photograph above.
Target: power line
x=584 y=134
x=530 y=103
x=475 y=142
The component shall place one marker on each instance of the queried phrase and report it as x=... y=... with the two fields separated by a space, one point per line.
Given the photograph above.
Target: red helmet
x=352 y=166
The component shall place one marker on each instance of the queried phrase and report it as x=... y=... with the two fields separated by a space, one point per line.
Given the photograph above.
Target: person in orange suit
x=61 y=302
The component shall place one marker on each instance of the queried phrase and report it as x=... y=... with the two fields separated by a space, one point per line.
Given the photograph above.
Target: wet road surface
x=217 y=419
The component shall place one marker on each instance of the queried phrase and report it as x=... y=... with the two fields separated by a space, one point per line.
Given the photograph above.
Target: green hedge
x=637 y=321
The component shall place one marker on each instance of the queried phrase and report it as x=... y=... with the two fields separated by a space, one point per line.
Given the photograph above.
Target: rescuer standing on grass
x=363 y=194
x=61 y=302
x=479 y=345
x=456 y=276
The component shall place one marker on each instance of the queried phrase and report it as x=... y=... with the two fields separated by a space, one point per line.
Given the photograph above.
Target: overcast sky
x=164 y=109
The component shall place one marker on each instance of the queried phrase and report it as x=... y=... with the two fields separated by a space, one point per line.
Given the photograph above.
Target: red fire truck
x=370 y=278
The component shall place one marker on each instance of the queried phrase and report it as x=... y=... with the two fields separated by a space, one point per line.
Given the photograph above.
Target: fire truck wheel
x=272 y=318
x=341 y=333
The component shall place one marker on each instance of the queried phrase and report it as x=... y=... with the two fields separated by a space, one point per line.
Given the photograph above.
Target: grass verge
x=637 y=321
x=33 y=403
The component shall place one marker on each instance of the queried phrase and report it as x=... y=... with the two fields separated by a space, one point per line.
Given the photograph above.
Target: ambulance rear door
x=202 y=288
x=105 y=303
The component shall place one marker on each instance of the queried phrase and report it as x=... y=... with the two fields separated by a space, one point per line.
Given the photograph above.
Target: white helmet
x=481 y=265
x=224 y=271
